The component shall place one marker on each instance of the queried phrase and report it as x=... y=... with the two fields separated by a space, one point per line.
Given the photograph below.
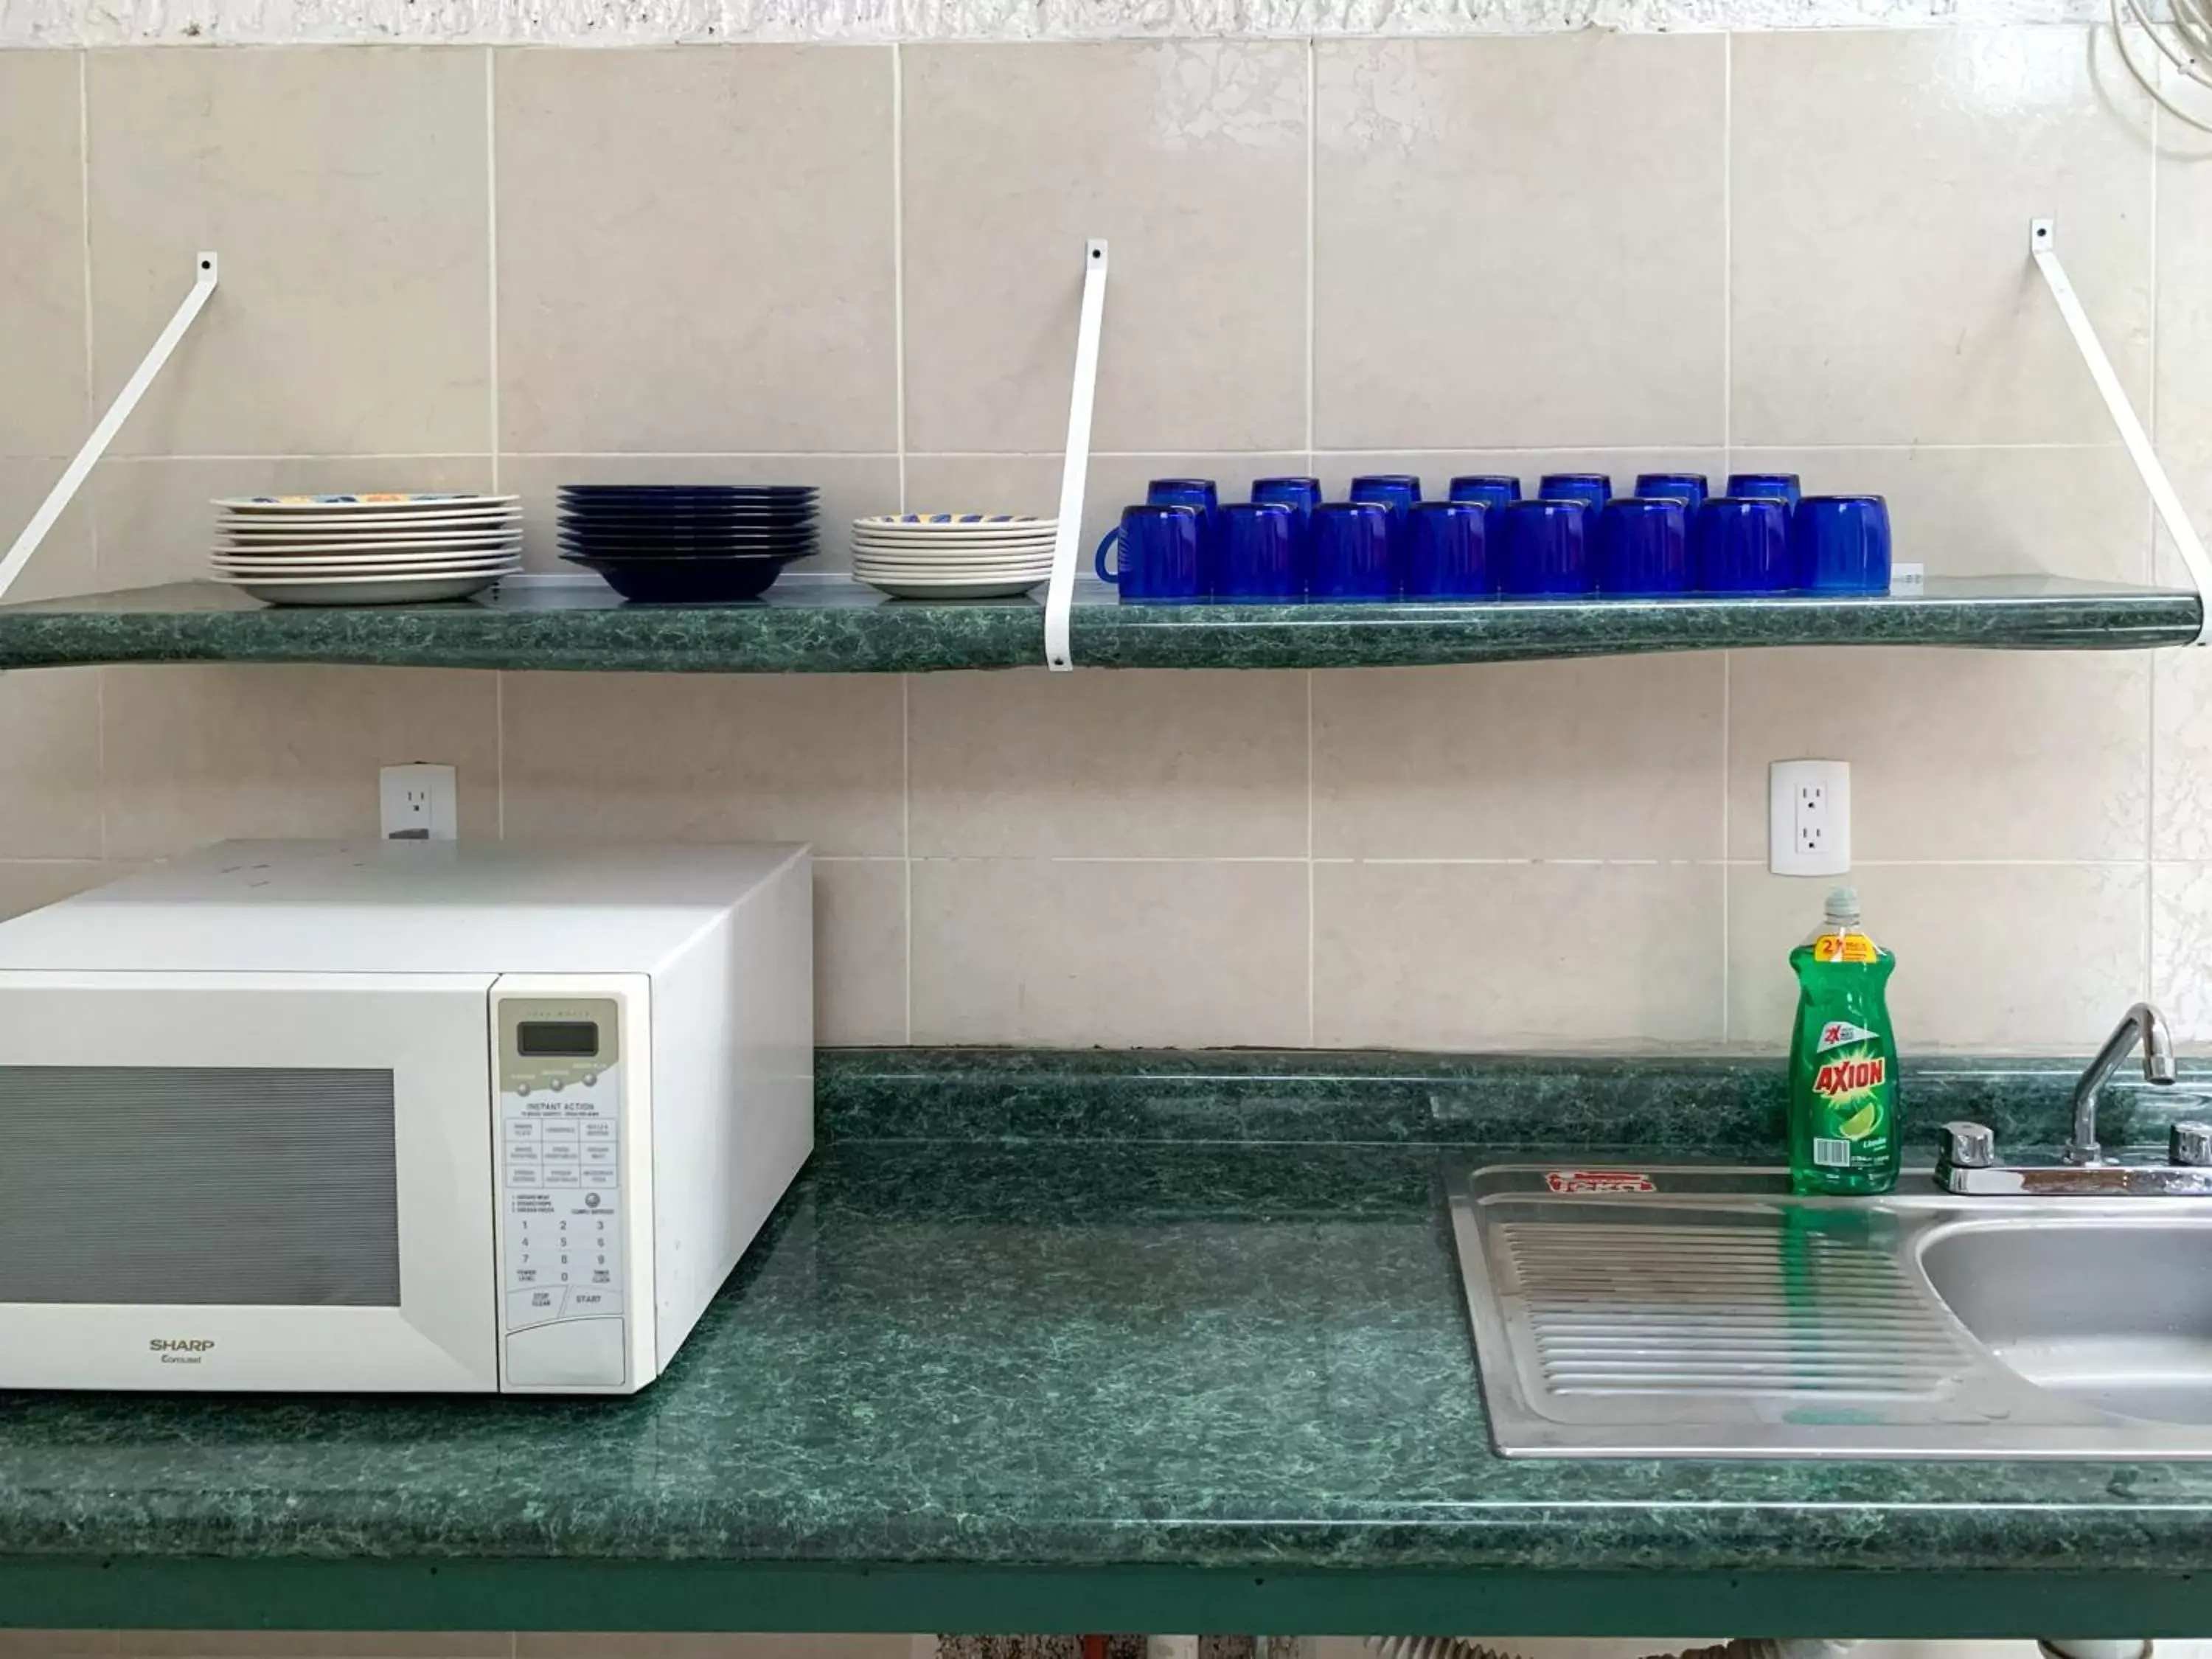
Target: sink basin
x=2113 y=1314
x=1706 y=1312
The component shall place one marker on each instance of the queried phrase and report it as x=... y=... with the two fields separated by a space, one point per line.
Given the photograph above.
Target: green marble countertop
x=996 y=1368
x=834 y=625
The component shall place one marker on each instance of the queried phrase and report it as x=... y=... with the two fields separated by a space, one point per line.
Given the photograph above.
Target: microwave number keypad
x=560 y=1160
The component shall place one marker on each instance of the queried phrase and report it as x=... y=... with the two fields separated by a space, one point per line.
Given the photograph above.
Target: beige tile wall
x=857 y=266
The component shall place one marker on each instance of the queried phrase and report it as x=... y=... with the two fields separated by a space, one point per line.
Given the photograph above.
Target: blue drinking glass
x=1546 y=547
x=1351 y=551
x=1742 y=545
x=1592 y=490
x=1200 y=494
x=1842 y=543
x=1764 y=486
x=1491 y=489
x=1688 y=487
x=1183 y=492
x=1448 y=552
x=1398 y=491
x=1159 y=560
x=1395 y=490
x=1644 y=547
x=1259 y=552
x=1302 y=494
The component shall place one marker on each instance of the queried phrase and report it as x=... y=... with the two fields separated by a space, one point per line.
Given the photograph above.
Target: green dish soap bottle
x=1843 y=1059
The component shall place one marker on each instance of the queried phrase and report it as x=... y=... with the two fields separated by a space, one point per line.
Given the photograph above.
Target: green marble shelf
x=831 y=625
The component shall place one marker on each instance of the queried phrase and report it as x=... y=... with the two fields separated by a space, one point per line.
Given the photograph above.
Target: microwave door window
x=203 y=1186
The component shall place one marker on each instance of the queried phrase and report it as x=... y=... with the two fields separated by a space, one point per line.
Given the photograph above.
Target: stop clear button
x=575 y=1353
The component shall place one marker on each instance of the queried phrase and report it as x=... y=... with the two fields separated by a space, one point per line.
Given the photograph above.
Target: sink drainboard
x=1708 y=1312
x=1724 y=1310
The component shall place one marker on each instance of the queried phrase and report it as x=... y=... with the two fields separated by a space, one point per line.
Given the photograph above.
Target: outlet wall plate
x=419 y=803
x=1808 y=818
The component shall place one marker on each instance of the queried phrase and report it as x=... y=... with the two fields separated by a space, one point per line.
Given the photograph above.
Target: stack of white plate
x=365 y=549
x=952 y=555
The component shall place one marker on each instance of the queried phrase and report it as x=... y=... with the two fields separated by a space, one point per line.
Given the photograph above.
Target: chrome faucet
x=1969 y=1160
x=2141 y=1023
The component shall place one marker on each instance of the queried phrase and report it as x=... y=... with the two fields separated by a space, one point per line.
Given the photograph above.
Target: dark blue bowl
x=683 y=582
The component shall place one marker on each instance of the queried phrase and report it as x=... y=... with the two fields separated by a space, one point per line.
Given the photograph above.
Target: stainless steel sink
x=2113 y=1313
x=1701 y=1312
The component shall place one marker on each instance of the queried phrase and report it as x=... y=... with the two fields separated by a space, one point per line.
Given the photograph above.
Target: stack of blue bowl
x=687 y=543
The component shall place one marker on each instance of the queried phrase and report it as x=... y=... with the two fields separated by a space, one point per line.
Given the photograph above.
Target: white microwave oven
x=443 y=1116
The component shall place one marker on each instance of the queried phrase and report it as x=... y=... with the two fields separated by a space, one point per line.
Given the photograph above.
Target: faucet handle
x=2188 y=1143
x=1969 y=1145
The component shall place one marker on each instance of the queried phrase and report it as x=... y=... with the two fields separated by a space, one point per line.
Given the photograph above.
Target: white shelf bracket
x=2171 y=513
x=1075 y=471
x=204 y=274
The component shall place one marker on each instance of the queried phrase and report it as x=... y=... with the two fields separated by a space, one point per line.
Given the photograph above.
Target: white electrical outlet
x=419 y=803
x=1808 y=818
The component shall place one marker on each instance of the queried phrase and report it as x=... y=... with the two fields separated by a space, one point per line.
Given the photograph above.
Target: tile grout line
x=1313 y=128
x=2150 y=673
x=1728 y=244
x=84 y=213
x=499 y=753
x=1313 y=929
x=1728 y=461
x=491 y=402
x=171 y=458
x=91 y=370
x=1728 y=719
x=91 y=393
x=168 y=460
x=1446 y=861
x=898 y=261
x=491 y=254
x=1313 y=111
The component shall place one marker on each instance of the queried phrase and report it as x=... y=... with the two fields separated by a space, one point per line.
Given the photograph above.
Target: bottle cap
x=1844 y=905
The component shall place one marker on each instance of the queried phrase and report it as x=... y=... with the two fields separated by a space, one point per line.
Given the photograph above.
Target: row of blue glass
x=1574 y=536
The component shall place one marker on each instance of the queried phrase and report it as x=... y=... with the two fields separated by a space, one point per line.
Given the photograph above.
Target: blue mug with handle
x=1160 y=558
x=1196 y=493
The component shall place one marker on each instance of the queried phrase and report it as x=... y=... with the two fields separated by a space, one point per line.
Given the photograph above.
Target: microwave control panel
x=561 y=1172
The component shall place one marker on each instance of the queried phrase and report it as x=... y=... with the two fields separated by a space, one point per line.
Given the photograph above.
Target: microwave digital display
x=561 y=1039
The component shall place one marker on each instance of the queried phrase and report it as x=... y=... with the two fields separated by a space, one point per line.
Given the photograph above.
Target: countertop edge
x=86 y=1592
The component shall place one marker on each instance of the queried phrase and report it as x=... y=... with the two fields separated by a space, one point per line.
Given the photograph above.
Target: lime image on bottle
x=1843 y=1059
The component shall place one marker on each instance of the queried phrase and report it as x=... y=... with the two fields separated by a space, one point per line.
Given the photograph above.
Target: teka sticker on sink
x=1600 y=1180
